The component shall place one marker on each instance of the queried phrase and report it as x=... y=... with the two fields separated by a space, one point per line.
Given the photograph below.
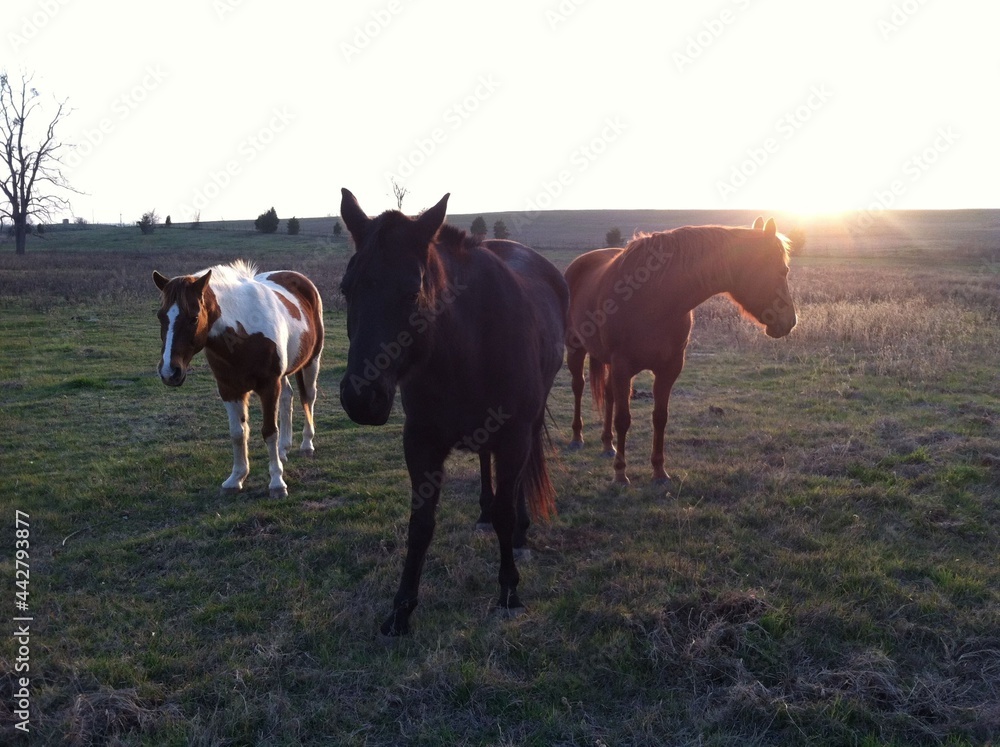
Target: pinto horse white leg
x=269 y=397
x=307 y=379
x=285 y=419
x=239 y=430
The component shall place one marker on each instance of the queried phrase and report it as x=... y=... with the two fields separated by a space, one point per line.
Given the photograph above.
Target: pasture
x=821 y=571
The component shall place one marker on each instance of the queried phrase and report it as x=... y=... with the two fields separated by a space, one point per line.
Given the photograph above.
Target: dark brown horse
x=631 y=310
x=472 y=334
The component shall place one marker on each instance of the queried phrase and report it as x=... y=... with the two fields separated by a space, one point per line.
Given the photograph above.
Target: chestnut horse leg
x=663 y=382
x=575 y=357
x=621 y=387
x=425 y=463
x=239 y=431
x=607 y=437
x=269 y=396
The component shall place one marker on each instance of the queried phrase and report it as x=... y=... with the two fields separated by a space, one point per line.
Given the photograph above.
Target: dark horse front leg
x=425 y=463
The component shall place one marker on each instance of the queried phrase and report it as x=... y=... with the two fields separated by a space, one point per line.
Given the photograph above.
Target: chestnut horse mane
x=700 y=249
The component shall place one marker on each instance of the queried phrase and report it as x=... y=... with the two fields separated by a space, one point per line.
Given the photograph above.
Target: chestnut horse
x=256 y=331
x=472 y=334
x=631 y=310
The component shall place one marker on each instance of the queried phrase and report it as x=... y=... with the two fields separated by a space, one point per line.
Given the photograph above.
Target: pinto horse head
x=391 y=287
x=761 y=288
x=187 y=312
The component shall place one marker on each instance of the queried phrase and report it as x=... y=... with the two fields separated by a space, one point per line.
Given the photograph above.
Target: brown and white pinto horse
x=256 y=331
x=631 y=310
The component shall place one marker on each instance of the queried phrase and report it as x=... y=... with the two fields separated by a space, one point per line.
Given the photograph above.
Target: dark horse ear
x=769 y=228
x=431 y=219
x=758 y=225
x=354 y=217
x=160 y=280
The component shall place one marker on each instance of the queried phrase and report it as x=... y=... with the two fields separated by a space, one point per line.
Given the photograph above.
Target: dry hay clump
x=739 y=660
x=105 y=716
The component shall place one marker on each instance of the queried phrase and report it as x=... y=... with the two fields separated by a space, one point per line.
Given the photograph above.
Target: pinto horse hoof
x=230 y=491
x=621 y=481
x=278 y=493
x=609 y=454
x=664 y=481
x=308 y=453
x=575 y=445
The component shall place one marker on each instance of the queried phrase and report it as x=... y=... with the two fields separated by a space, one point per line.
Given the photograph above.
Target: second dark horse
x=472 y=334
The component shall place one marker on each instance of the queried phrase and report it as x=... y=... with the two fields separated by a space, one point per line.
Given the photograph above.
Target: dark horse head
x=391 y=286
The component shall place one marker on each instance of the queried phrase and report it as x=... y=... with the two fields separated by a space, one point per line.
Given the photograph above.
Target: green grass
x=822 y=570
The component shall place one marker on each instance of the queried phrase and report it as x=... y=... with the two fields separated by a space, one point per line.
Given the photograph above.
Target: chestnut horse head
x=760 y=287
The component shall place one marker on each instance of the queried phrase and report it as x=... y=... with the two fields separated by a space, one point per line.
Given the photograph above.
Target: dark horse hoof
x=575 y=445
x=509 y=613
x=522 y=554
x=484 y=526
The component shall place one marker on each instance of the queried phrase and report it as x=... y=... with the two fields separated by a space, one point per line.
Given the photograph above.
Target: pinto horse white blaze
x=256 y=331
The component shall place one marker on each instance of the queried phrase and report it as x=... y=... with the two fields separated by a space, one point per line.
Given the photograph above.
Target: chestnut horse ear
x=758 y=225
x=201 y=283
x=354 y=217
x=769 y=228
x=431 y=219
x=160 y=280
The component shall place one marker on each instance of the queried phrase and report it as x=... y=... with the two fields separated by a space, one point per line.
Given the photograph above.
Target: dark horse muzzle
x=367 y=403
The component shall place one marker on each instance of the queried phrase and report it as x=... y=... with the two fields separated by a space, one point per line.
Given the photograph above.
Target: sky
x=224 y=108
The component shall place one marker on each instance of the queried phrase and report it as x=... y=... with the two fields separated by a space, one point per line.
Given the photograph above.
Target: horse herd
x=472 y=334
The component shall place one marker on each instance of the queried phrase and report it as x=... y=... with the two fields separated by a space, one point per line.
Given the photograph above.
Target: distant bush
x=168 y=223
x=478 y=228
x=267 y=222
x=337 y=228
x=148 y=222
x=293 y=226
x=500 y=230
x=613 y=237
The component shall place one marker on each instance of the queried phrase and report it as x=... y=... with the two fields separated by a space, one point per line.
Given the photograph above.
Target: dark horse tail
x=538 y=489
x=598 y=382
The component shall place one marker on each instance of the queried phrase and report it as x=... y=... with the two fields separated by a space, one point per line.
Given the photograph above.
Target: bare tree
x=30 y=176
x=399 y=191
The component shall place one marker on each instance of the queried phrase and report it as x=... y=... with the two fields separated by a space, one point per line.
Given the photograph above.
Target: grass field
x=822 y=570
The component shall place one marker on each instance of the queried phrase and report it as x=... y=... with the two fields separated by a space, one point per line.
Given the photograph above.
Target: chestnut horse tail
x=598 y=382
x=539 y=492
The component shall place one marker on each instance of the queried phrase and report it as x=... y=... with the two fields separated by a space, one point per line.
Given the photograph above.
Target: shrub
x=267 y=222
x=148 y=222
x=613 y=237
x=500 y=230
x=293 y=226
x=478 y=228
